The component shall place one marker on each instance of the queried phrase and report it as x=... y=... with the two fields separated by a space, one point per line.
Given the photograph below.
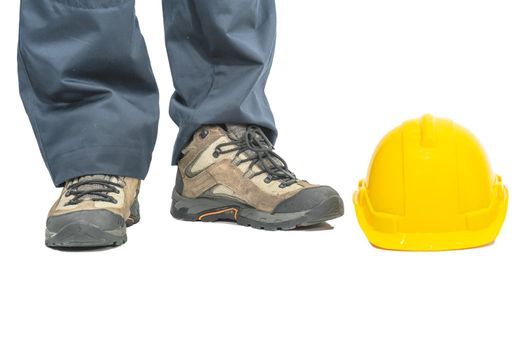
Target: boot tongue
x=236 y=130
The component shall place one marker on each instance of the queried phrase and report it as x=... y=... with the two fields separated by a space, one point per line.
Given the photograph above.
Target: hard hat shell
x=430 y=186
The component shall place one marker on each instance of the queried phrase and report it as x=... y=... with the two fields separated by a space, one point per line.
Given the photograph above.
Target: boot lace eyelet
x=203 y=133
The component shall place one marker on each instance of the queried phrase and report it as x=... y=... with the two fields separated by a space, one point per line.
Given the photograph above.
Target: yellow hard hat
x=430 y=187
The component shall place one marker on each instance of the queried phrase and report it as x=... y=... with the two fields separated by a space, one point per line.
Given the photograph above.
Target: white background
x=345 y=73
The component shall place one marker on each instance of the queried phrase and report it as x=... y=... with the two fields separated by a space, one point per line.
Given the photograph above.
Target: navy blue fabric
x=88 y=88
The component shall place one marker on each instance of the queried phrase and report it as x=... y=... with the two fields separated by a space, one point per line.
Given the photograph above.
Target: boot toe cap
x=311 y=198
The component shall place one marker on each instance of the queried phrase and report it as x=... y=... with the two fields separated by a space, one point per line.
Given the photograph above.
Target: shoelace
x=95 y=189
x=259 y=151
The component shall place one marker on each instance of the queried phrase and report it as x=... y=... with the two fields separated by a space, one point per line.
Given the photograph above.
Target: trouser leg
x=87 y=86
x=220 y=54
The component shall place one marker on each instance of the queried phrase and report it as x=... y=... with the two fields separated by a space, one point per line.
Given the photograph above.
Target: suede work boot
x=233 y=174
x=93 y=212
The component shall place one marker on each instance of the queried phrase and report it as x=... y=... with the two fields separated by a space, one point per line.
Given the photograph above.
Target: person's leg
x=220 y=54
x=87 y=86
x=89 y=91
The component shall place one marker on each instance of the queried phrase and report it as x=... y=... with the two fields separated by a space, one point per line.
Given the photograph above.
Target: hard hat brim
x=432 y=241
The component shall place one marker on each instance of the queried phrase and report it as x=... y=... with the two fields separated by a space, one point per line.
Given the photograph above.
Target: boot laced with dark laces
x=94 y=188
x=259 y=151
x=231 y=172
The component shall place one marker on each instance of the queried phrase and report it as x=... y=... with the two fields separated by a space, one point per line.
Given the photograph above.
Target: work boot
x=233 y=174
x=93 y=212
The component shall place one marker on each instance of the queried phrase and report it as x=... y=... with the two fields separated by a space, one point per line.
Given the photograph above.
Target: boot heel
x=134 y=216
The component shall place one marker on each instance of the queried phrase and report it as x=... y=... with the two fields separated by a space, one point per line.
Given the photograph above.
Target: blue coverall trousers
x=88 y=88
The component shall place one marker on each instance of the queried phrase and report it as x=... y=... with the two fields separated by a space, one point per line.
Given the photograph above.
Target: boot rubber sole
x=81 y=234
x=219 y=209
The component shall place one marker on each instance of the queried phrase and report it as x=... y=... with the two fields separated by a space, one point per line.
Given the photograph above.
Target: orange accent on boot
x=234 y=210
